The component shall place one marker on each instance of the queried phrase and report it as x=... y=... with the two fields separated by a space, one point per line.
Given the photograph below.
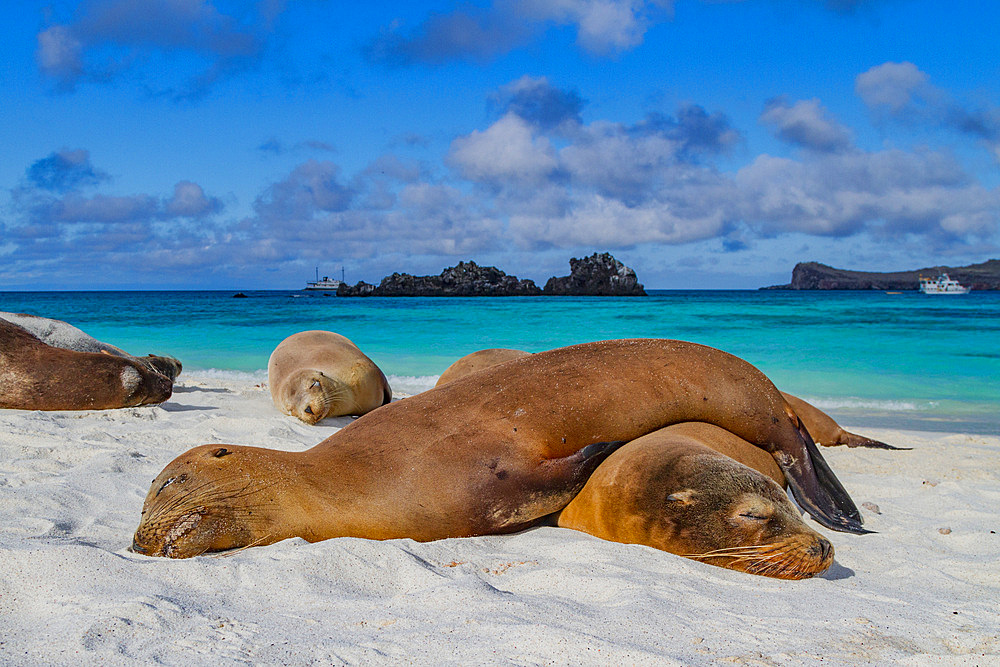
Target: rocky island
x=816 y=276
x=597 y=275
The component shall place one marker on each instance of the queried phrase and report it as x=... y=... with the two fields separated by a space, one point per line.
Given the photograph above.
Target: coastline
x=73 y=485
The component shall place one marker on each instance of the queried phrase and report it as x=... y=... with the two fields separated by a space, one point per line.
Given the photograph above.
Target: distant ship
x=327 y=284
x=941 y=285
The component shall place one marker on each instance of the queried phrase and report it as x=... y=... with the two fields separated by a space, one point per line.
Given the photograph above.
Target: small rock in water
x=872 y=506
x=944 y=531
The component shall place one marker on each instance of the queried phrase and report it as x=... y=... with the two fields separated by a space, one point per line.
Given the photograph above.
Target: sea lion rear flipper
x=855 y=440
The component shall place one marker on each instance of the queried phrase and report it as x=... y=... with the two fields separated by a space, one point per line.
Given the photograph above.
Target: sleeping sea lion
x=492 y=452
x=825 y=431
x=477 y=361
x=63 y=334
x=318 y=374
x=36 y=376
x=671 y=490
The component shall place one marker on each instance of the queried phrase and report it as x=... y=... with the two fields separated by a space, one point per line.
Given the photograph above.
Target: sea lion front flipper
x=577 y=468
x=818 y=490
x=518 y=500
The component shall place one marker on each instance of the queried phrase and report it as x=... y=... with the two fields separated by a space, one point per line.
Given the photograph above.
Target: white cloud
x=507 y=151
x=806 y=123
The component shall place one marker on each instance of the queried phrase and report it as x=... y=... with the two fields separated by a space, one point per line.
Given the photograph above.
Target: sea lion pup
x=477 y=361
x=492 y=452
x=37 y=376
x=318 y=374
x=672 y=491
x=63 y=334
x=825 y=431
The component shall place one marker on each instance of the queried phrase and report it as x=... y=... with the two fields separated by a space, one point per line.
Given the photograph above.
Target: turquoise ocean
x=868 y=358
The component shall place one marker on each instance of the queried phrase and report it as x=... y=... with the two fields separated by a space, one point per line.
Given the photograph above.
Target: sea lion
x=672 y=491
x=730 y=445
x=318 y=374
x=477 y=361
x=491 y=452
x=64 y=335
x=37 y=376
x=825 y=431
x=822 y=428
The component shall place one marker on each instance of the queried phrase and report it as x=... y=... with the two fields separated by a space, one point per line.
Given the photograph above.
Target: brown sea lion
x=822 y=428
x=477 y=361
x=825 y=431
x=731 y=445
x=491 y=452
x=672 y=491
x=36 y=376
x=318 y=374
x=63 y=334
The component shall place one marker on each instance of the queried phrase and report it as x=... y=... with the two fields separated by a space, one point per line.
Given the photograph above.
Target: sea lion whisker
x=729 y=550
x=233 y=552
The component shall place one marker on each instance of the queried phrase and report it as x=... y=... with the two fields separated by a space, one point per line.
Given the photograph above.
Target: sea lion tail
x=818 y=490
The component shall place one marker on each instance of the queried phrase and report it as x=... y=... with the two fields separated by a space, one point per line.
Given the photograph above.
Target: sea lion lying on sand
x=64 y=335
x=319 y=374
x=36 y=376
x=822 y=428
x=492 y=452
x=674 y=490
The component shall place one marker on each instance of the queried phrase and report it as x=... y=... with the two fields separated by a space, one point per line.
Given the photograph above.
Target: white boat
x=941 y=285
x=328 y=284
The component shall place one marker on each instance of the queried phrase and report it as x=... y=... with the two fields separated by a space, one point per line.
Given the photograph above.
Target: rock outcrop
x=597 y=275
x=464 y=279
x=816 y=276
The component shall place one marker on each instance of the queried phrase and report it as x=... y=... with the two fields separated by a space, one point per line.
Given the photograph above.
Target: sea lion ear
x=685 y=497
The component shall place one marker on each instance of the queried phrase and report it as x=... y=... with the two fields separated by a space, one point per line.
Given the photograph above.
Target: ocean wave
x=411 y=384
x=852 y=403
x=256 y=377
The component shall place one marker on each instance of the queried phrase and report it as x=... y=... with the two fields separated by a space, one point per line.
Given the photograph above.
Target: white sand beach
x=923 y=590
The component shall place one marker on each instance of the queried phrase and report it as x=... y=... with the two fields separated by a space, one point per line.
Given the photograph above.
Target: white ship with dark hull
x=327 y=284
x=943 y=284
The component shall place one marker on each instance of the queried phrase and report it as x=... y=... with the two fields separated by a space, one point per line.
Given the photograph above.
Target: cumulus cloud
x=603 y=27
x=130 y=29
x=609 y=184
x=506 y=151
x=904 y=92
x=64 y=170
x=891 y=193
x=313 y=187
x=59 y=226
x=190 y=201
x=805 y=123
x=539 y=102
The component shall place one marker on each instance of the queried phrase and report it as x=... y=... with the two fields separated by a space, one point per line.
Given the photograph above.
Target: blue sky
x=178 y=144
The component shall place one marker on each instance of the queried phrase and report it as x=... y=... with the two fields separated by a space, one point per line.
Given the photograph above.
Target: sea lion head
x=142 y=385
x=727 y=514
x=164 y=365
x=311 y=396
x=212 y=498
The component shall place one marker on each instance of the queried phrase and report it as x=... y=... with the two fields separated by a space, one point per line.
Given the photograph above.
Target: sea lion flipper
x=855 y=440
x=581 y=464
x=817 y=489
